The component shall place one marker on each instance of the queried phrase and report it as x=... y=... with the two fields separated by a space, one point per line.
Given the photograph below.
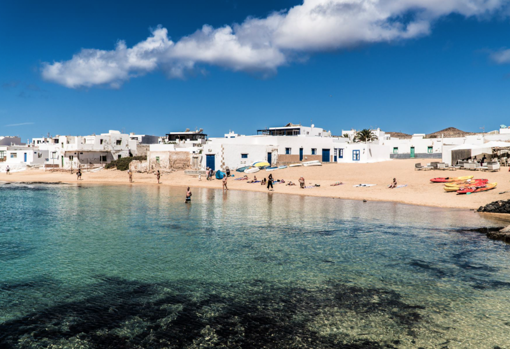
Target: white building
x=74 y=151
x=285 y=145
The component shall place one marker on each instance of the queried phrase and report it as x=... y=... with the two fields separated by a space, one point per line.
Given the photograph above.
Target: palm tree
x=365 y=135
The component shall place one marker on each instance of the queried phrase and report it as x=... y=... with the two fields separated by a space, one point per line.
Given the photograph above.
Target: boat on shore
x=312 y=163
x=252 y=170
x=450 y=179
x=295 y=165
x=472 y=190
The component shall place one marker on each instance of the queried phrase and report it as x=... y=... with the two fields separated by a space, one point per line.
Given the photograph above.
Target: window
x=71 y=158
x=395 y=150
x=54 y=155
x=2 y=154
x=157 y=159
x=244 y=156
x=314 y=151
x=55 y=141
x=119 y=141
x=103 y=158
x=287 y=151
x=119 y=156
x=101 y=141
x=14 y=155
x=429 y=150
x=340 y=153
x=355 y=155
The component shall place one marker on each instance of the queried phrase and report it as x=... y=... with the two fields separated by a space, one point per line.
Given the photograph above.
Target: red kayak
x=478 y=189
x=450 y=179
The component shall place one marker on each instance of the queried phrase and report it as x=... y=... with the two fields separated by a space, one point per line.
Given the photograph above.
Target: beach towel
x=254 y=182
x=363 y=185
x=401 y=186
x=241 y=179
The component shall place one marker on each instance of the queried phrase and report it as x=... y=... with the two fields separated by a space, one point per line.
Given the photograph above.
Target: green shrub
x=122 y=164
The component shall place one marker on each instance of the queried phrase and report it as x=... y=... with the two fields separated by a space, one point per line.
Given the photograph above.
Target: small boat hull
x=295 y=165
x=473 y=190
x=450 y=179
x=252 y=170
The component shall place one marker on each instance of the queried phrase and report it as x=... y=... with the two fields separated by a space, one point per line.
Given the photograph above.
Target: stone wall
x=169 y=160
x=139 y=166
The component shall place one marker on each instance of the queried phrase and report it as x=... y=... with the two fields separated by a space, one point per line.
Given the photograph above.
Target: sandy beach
x=419 y=190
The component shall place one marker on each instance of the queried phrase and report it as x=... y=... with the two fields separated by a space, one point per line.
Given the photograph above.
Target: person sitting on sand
x=394 y=184
x=264 y=181
x=302 y=183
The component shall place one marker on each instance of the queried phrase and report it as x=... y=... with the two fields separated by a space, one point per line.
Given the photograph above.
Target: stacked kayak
x=242 y=169
x=450 y=179
x=271 y=168
x=455 y=186
x=477 y=189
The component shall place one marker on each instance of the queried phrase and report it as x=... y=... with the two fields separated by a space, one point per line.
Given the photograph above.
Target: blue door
x=300 y=154
x=355 y=155
x=270 y=158
x=25 y=157
x=210 y=162
x=325 y=155
x=334 y=155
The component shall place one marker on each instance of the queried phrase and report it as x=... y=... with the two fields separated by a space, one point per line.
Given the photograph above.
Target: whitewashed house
x=292 y=143
x=78 y=151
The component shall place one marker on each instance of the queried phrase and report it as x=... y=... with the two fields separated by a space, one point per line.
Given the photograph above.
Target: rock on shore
x=500 y=206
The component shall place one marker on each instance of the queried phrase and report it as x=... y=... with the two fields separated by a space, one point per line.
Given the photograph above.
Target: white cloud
x=20 y=124
x=267 y=43
x=501 y=57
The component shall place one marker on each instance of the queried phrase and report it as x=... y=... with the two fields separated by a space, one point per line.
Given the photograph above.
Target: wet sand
x=419 y=190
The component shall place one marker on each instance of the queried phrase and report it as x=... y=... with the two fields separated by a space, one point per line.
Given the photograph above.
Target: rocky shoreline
x=499 y=207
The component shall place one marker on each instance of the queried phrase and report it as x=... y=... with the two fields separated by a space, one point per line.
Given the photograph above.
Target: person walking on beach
x=302 y=183
x=8 y=170
x=225 y=183
x=188 y=196
x=270 y=182
x=78 y=174
x=130 y=174
x=158 y=176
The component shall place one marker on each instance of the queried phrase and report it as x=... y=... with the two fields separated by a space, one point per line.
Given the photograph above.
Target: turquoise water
x=135 y=267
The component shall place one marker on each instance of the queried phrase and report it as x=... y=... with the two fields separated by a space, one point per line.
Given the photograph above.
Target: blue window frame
x=287 y=151
x=244 y=156
x=340 y=153
x=355 y=155
x=314 y=151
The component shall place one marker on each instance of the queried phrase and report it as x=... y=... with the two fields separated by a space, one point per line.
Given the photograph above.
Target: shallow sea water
x=136 y=267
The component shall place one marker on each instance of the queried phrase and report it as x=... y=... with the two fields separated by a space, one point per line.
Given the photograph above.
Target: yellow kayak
x=467 y=183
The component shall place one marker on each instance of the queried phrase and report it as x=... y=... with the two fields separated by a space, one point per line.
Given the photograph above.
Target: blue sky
x=433 y=68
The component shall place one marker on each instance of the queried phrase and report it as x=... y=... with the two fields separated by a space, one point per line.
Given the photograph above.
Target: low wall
x=417 y=156
x=170 y=160
x=139 y=166
x=294 y=159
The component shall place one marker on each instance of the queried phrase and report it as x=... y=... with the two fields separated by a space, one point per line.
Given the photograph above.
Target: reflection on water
x=135 y=267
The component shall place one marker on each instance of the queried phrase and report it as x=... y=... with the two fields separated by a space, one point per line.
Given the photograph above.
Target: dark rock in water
x=503 y=234
x=500 y=206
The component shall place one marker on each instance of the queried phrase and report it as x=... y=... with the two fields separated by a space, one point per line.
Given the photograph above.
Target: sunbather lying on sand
x=243 y=178
x=335 y=184
x=291 y=183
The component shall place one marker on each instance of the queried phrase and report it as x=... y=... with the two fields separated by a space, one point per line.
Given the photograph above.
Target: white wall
x=367 y=153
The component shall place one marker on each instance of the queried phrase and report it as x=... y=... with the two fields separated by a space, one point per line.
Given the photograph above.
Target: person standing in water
x=158 y=176
x=225 y=183
x=188 y=195
x=130 y=174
